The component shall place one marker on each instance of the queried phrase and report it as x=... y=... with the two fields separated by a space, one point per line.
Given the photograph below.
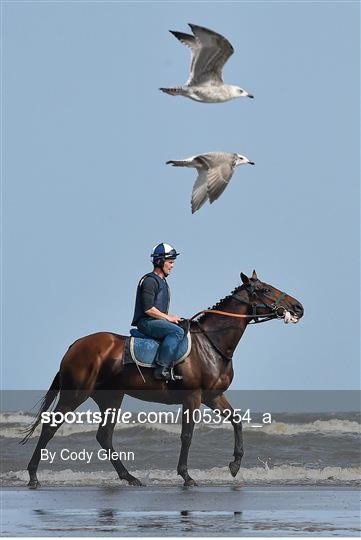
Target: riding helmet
x=162 y=252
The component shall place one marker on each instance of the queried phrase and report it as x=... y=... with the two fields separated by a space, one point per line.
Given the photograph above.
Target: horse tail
x=46 y=401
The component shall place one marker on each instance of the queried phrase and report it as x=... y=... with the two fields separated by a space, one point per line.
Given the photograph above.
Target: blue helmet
x=162 y=252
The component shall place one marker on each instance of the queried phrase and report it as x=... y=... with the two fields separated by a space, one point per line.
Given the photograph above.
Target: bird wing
x=213 y=159
x=191 y=42
x=218 y=179
x=210 y=51
x=199 y=193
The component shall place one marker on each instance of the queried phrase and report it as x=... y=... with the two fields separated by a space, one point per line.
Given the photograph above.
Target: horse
x=93 y=367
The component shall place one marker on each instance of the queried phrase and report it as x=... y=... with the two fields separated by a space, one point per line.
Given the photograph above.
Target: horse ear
x=254 y=275
x=244 y=278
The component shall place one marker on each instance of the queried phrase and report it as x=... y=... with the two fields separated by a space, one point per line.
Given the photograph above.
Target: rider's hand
x=174 y=319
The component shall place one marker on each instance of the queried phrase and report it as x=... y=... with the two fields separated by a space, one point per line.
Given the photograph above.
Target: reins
x=257 y=318
x=267 y=316
x=274 y=314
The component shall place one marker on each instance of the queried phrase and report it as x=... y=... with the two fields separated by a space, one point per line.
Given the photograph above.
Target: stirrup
x=173 y=376
x=161 y=373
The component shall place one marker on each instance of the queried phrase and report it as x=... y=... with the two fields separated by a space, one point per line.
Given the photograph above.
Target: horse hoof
x=135 y=482
x=234 y=468
x=190 y=483
x=34 y=484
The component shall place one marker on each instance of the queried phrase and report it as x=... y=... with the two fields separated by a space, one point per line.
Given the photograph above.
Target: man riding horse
x=93 y=366
x=151 y=309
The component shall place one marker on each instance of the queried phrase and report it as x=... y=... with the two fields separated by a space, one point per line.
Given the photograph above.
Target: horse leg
x=191 y=403
x=221 y=403
x=104 y=436
x=47 y=433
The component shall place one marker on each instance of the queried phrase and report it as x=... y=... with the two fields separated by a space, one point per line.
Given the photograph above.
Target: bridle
x=277 y=311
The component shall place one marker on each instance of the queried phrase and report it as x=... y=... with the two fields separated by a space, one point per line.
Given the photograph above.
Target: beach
x=178 y=511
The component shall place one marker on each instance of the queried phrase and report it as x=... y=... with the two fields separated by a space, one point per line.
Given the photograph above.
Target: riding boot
x=162 y=373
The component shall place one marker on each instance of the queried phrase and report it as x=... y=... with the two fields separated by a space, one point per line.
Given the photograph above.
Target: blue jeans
x=170 y=334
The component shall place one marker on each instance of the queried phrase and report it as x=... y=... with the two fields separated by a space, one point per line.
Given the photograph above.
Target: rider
x=151 y=309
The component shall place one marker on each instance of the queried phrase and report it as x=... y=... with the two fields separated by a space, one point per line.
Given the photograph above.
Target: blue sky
x=87 y=194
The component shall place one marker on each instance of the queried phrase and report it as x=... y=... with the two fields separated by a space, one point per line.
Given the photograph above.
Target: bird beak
x=250 y=96
x=251 y=162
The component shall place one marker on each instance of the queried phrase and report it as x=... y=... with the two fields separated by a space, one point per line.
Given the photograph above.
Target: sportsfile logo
x=117 y=416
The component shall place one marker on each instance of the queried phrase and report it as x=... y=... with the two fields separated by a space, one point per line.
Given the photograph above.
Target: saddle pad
x=144 y=350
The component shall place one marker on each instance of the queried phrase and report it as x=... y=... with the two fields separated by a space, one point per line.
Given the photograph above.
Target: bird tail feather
x=176 y=91
x=179 y=163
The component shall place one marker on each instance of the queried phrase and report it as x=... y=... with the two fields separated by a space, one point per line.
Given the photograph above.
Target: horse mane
x=220 y=303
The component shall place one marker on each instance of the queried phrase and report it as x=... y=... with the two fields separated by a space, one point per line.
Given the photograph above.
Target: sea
x=308 y=449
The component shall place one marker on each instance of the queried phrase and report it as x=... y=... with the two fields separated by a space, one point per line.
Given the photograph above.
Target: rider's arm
x=149 y=290
x=156 y=314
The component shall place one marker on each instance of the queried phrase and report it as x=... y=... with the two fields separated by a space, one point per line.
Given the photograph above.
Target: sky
x=86 y=193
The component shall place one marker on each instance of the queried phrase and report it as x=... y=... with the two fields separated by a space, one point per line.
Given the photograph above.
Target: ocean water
x=295 y=449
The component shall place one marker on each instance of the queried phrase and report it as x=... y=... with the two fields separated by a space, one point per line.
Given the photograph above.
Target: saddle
x=143 y=350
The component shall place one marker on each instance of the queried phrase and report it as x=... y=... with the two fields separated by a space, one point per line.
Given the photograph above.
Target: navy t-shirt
x=152 y=291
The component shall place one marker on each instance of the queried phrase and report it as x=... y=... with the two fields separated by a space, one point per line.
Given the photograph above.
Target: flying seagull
x=209 y=52
x=215 y=170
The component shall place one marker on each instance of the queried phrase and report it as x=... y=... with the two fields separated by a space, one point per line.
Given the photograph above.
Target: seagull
x=215 y=170
x=209 y=52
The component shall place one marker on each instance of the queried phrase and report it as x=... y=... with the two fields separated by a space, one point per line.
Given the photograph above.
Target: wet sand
x=177 y=511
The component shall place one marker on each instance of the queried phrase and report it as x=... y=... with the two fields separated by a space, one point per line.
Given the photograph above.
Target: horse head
x=264 y=297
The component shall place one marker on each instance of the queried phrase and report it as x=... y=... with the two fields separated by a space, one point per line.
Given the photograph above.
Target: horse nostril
x=298 y=309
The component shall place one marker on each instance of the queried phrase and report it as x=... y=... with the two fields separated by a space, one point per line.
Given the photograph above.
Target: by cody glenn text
x=86 y=456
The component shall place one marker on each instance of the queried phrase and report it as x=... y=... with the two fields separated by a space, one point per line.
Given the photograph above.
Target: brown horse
x=93 y=367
